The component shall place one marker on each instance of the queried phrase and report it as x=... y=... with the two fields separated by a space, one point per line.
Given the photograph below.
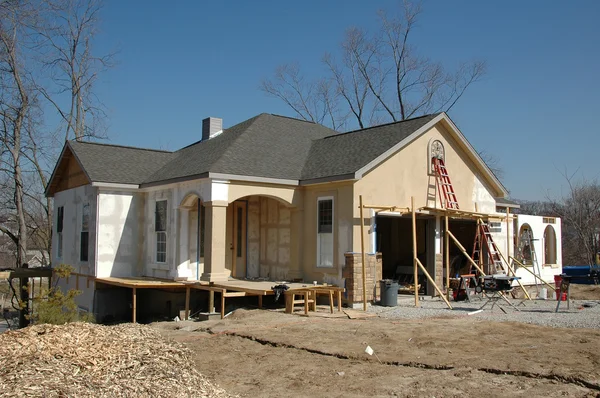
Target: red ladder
x=444 y=185
x=483 y=238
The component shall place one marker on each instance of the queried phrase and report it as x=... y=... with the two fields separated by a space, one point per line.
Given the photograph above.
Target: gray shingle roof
x=347 y=153
x=267 y=146
x=118 y=164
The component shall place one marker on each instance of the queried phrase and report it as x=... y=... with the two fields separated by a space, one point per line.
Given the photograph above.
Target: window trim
x=318 y=262
x=161 y=232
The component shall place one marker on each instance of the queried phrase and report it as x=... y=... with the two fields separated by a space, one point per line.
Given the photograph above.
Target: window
x=325 y=232
x=85 y=235
x=495 y=226
x=549 y=246
x=60 y=213
x=549 y=220
x=202 y=211
x=160 y=227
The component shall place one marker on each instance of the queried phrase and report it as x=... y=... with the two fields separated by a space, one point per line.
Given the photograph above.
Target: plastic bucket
x=544 y=294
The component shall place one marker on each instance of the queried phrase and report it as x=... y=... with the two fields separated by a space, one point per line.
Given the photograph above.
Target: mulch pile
x=85 y=360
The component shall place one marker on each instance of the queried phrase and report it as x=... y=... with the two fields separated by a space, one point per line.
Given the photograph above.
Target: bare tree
x=15 y=106
x=73 y=67
x=380 y=78
x=579 y=210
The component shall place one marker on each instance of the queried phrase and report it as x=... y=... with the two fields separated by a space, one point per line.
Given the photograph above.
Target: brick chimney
x=211 y=127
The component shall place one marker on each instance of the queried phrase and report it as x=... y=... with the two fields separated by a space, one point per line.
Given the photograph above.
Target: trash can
x=389 y=292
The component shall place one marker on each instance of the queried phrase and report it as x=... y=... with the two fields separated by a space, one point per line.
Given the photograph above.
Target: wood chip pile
x=85 y=360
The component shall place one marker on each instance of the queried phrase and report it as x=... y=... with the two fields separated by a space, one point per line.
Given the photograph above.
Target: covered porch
x=255 y=237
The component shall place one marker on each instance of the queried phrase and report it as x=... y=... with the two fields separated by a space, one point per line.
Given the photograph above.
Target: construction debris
x=84 y=360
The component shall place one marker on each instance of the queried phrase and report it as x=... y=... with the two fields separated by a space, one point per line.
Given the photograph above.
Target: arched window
x=435 y=149
x=549 y=246
x=525 y=243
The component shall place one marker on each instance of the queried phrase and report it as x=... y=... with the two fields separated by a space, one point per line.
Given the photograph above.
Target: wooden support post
x=306 y=295
x=77 y=282
x=462 y=249
x=415 y=259
x=433 y=283
x=187 y=303
x=508 y=240
x=364 y=256
x=260 y=298
x=447 y=256
x=223 y=303
x=134 y=314
x=339 y=300
x=330 y=300
x=211 y=301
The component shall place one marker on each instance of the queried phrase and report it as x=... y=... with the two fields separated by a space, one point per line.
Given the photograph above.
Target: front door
x=238 y=266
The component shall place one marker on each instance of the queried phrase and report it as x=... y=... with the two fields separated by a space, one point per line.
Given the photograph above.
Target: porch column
x=183 y=252
x=214 y=242
x=296 y=244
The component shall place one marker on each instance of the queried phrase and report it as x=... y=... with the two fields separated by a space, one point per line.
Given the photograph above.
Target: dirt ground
x=262 y=353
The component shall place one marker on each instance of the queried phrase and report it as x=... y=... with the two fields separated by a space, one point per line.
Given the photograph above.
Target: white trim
x=266 y=180
x=155 y=234
x=319 y=199
x=412 y=137
x=114 y=185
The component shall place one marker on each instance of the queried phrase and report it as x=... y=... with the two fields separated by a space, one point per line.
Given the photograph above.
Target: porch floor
x=230 y=288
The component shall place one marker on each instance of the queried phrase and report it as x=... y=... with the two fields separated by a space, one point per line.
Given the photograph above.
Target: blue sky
x=534 y=110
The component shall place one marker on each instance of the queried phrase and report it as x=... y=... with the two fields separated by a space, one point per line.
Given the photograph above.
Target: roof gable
x=347 y=153
x=67 y=173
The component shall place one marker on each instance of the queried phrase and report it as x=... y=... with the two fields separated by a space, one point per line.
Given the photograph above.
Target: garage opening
x=394 y=242
x=464 y=231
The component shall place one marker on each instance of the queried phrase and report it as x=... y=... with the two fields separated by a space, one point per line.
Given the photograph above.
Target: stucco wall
x=406 y=174
x=151 y=266
x=343 y=221
x=538 y=227
x=120 y=237
x=73 y=200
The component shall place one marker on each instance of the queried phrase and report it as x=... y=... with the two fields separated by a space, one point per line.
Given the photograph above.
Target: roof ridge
x=385 y=124
x=293 y=118
x=119 y=146
x=224 y=132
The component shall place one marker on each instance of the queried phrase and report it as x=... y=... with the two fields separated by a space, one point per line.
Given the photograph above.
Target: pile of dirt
x=83 y=360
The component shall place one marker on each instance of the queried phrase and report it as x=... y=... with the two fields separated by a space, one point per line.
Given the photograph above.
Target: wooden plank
x=462 y=249
x=415 y=259
x=330 y=301
x=238 y=294
x=260 y=301
x=76 y=282
x=447 y=256
x=364 y=256
x=187 y=303
x=5 y=275
x=339 y=300
x=433 y=283
x=134 y=315
x=306 y=303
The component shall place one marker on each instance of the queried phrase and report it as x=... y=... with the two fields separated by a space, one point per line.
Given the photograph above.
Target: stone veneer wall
x=352 y=273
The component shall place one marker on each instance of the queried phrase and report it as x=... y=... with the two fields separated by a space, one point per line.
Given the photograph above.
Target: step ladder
x=444 y=185
x=526 y=248
x=485 y=242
